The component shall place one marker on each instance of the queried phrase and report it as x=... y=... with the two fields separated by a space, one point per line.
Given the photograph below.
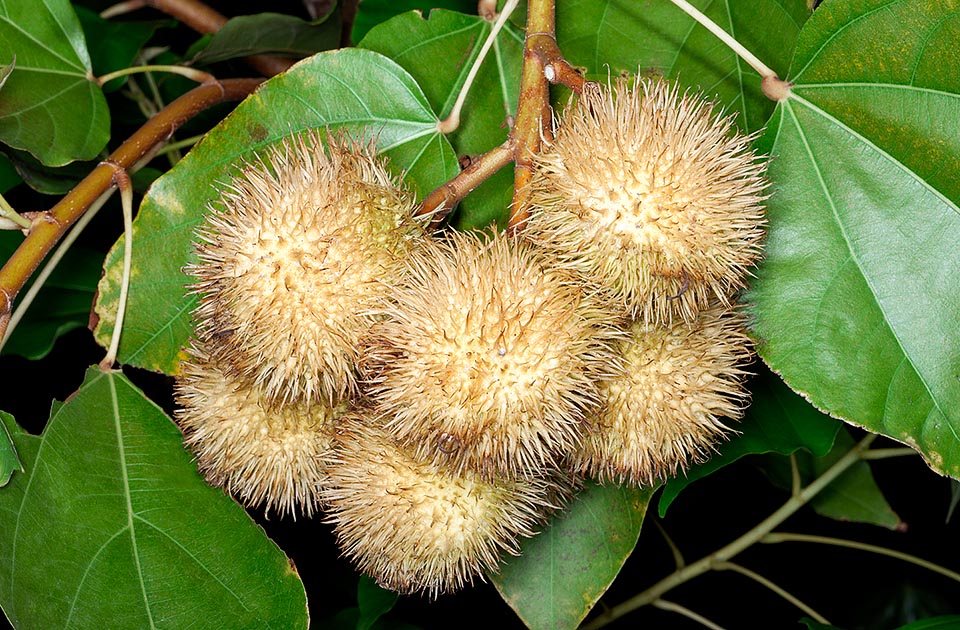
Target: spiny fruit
x=666 y=409
x=415 y=527
x=486 y=358
x=292 y=261
x=266 y=456
x=650 y=193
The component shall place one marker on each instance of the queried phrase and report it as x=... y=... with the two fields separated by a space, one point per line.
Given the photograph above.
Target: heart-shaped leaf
x=50 y=104
x=356 y=90
x=856 y=300
x=564 y=570
x=373 y=12
x=609 y=37
x=113 y=507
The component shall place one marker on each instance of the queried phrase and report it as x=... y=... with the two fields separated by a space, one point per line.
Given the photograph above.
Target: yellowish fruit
x=667 y=409
x=292 y=260
x=414 y=527
x=486 y=357
x=652 y=194
x=266 y=456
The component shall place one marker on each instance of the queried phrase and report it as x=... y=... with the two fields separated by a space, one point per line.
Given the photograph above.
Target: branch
x=724 y=554
x=533 y=111
x=441 y=201
x=49 y=227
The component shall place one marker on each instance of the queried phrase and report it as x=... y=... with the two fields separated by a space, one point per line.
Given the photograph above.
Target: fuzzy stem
x=759 y=579
x=452 y=121
x=122 y=180
x=205 y=20
x=774 y=88
x=191 y=73
x=441 y=201
x=7 y=212
x=669 y=606
x=533 y=110
x=780 y=537
x=49 y=227
x=753 y=536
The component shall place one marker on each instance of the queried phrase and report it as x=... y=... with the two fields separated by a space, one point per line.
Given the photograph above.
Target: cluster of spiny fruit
x=439 y=395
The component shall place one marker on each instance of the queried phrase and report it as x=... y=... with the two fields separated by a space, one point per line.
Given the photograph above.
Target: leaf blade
x=110 y=487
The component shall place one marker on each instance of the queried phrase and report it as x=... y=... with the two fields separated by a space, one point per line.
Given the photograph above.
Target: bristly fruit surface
x=414 y=527
x=667 y=409
x=487 y=358
x=652 y=194
x=291 y=262
x=266 y=456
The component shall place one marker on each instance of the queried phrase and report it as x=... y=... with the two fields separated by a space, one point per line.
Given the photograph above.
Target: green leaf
x=8 y=174
x=853 y=496
x=62 y=305
x=355 y=90
x=417 y=43
x=270 y=34
x=856 y=299
x=50 y=105
x=373 y=602
x=113 y=45
x=5 y=71
x=9 y=461
x=112 y=527
x=777 y=421
x=564 y=570
x=373 y=12
x=609 y=38
x=46 y=179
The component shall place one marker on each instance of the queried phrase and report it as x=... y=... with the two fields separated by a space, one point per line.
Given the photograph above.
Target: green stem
x=748 y=539
x=122 y=179
x=191 y=73
x=773 y=86
x=852 y=544
x=452 y=121
x=886 y=453
x=663 y=604
x=7 y=212
x=759 y=579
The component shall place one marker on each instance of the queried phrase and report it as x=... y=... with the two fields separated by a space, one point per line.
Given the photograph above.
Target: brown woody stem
x=441 y=201
x=533 y=110
x=49 y=227
x=205 y=20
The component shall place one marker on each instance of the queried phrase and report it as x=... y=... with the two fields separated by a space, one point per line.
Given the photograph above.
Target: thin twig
x=678 y=560
x=664 y=604
x=779 y=537
x=776 y=588
x=7 y=212
x=441 y=201
x=886 y=453
x=745 y=541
